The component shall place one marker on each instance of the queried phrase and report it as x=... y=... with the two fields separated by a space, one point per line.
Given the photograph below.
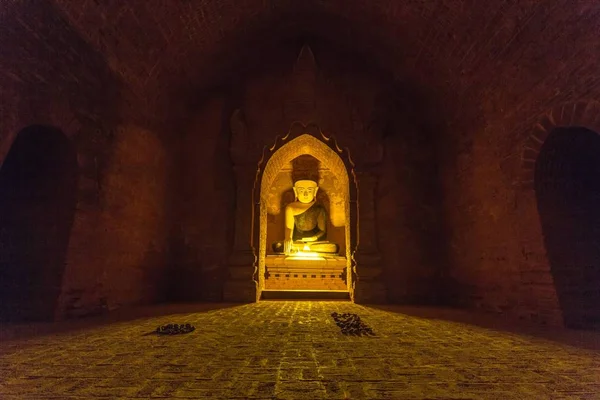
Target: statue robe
x=312 y=222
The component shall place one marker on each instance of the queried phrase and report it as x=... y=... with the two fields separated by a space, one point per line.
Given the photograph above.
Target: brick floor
x=293 y=350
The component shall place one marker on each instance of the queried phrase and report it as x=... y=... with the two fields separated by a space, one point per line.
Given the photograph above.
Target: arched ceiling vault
x=477 y=54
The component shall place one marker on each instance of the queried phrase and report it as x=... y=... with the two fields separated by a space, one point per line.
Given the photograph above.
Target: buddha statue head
x=305 y=190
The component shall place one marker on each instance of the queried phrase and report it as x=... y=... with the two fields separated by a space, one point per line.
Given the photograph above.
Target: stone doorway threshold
x=270 y=294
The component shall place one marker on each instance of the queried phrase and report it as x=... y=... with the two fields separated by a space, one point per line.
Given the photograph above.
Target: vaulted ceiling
x=480 y=53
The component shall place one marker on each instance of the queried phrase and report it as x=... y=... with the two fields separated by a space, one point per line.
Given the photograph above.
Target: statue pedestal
x=294 y=273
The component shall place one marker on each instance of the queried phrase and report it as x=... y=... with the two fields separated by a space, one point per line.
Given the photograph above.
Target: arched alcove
x=338 y=193
x=567 y=187
x=38 y=186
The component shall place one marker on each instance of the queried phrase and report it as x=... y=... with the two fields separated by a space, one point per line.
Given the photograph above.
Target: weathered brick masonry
x=443 y=105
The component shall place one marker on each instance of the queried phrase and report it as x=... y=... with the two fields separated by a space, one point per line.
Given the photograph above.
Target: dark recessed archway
x=38 y=183
x=567 y=186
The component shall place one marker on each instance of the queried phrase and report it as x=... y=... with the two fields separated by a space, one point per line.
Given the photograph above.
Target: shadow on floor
x=589 y=340
x=21 y=331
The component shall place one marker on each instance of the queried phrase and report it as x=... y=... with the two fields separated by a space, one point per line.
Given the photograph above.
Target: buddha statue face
x=305 y=191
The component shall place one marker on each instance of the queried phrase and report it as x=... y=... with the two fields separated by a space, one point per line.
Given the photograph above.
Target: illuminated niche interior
x=294 y=160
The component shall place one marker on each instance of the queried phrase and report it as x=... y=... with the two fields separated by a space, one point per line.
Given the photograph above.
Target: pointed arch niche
x=338 y=187
x=38 y=195
x=559 y=193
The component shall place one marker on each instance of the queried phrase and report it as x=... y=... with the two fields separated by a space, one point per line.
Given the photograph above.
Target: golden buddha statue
x=305 y=223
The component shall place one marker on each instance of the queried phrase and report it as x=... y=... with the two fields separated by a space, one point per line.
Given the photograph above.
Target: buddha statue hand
x=309 y=239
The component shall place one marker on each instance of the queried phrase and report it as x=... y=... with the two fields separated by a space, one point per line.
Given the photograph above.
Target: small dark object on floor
x=350 y=324
x=175 y=329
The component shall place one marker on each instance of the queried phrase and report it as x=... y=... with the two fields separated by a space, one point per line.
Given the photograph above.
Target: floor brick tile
x=293 y=350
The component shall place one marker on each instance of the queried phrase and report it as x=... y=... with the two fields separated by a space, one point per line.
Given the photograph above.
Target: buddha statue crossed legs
x=305 y=223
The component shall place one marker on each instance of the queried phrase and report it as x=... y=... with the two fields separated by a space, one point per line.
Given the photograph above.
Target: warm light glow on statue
x=305 y=223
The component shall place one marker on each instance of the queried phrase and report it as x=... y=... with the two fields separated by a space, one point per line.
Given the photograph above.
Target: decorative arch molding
x=303 y=139
x=584 y=113
x=311 y=139
x=307 y=144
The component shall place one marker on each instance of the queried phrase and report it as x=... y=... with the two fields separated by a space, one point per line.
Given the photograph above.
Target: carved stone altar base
x=289 y=273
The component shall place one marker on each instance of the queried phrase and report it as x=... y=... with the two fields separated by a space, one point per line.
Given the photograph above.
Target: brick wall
x=118 y=248
x=51 y=76
x=497 y=253
x=491 y=72
x=499 y=260
x=204 y=204
x=408 y=218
